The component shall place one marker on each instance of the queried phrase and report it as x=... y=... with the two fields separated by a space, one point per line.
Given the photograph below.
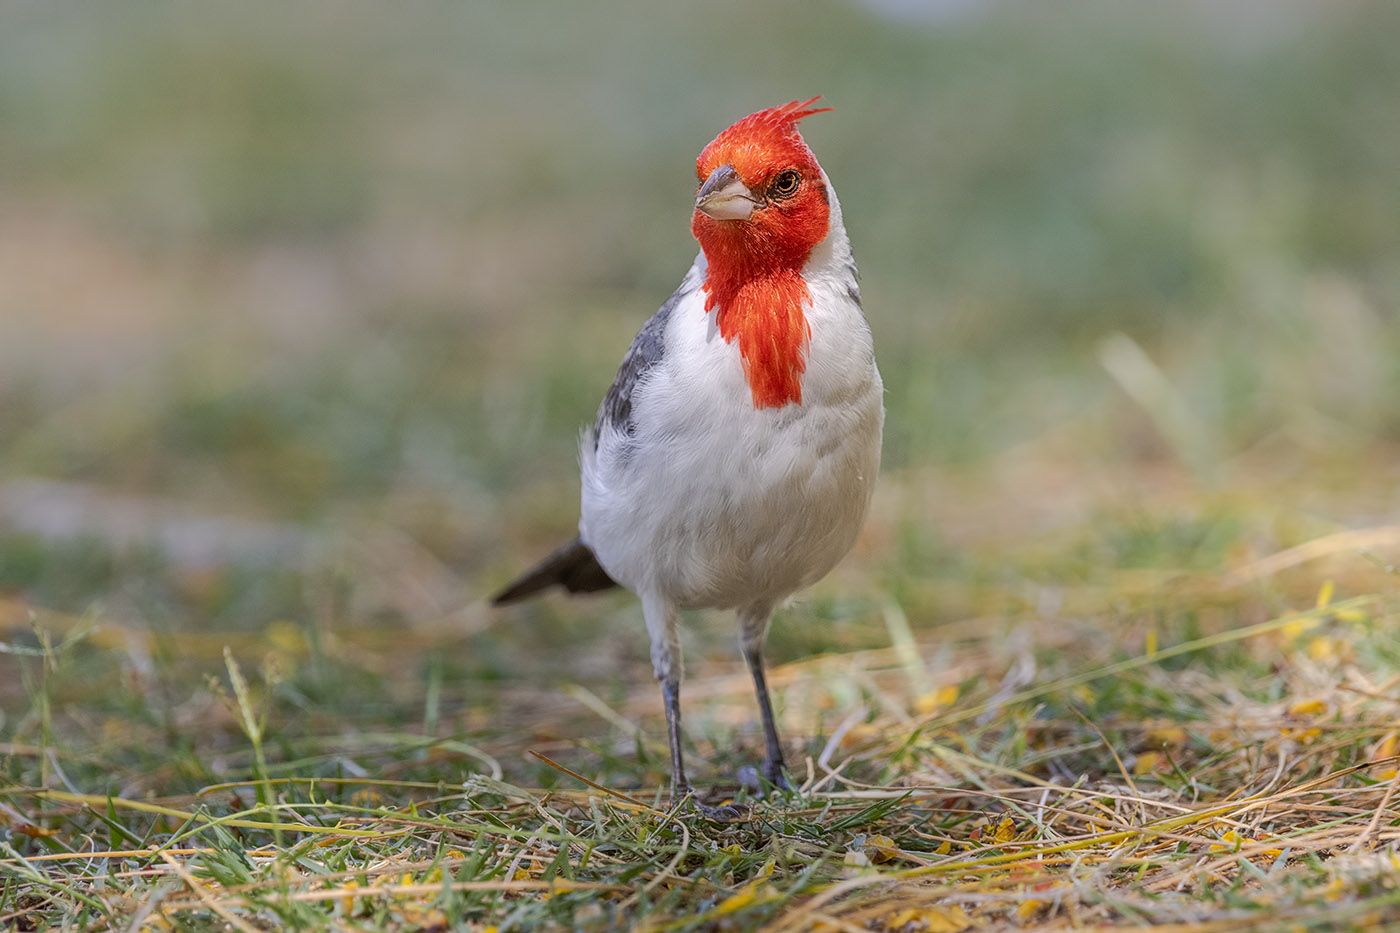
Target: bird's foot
x=723 y=813
x=772 y=776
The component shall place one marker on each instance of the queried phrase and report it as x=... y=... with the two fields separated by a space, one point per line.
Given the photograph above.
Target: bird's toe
x=723 y=813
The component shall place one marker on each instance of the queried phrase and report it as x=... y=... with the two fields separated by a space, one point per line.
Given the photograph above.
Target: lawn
x=302 y=310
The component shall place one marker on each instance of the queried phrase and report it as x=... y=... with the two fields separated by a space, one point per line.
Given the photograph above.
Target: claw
x=724 y=813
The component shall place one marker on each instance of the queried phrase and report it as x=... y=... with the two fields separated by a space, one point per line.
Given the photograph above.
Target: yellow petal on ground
x=1324 y=595
x=1229 y=842
x=1305 y=736
x=1148 y=762
x=1312 y=707
x=935 y=700
x=1387 y=747
x=928 y=920
x=1167 y=736
x=748 y=894
x=1322 y=648
x=1028 y=910
x=1299 y=627
x=347 y=903
x=902 y=918
x=881 y=849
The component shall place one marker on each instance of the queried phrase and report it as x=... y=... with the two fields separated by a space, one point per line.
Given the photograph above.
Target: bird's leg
x=753 y=631
x=671 y=695
x=663 y=625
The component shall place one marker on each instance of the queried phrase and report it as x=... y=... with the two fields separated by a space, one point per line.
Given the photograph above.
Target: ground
x=300 y=324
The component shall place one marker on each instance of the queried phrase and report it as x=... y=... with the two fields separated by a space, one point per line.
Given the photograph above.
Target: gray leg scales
x=773 y=767
x=681 y=791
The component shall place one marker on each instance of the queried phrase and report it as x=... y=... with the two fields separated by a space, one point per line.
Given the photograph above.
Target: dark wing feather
x=646 y=351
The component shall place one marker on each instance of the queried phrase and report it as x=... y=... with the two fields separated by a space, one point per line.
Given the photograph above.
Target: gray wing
x=646 y=351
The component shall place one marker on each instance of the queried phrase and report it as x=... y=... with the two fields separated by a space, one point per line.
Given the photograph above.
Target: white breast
x=714 y=503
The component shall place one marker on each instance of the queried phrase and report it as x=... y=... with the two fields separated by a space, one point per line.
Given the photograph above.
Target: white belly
x=713 y=503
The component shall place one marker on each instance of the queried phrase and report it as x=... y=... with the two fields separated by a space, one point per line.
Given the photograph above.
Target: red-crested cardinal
x=732 y=461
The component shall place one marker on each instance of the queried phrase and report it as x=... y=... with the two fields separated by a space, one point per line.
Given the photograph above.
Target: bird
x=733 y=460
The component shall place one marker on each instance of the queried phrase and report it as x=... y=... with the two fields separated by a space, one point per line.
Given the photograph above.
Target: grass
x=1150 y=743
x=292 y=372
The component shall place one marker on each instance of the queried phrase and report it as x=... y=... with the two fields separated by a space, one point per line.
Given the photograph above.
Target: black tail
x=572 y=566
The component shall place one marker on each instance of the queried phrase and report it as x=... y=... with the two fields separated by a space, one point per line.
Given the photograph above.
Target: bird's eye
x=785 y=185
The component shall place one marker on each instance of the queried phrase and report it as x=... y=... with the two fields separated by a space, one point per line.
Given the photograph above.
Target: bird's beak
x=724 y=196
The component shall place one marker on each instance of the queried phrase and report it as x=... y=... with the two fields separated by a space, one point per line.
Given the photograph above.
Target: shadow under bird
x=733 y=459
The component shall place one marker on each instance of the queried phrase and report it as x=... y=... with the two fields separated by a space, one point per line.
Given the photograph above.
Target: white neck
x=831 y=260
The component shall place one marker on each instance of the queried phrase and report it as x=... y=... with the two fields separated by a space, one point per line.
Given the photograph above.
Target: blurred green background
x=302 y=306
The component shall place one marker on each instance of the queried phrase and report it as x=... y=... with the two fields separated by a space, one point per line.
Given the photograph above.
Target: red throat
x=765 y=314
x=754 y=281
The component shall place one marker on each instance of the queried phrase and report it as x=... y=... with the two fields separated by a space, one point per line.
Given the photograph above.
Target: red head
x=761 y=207
x=762 y=203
